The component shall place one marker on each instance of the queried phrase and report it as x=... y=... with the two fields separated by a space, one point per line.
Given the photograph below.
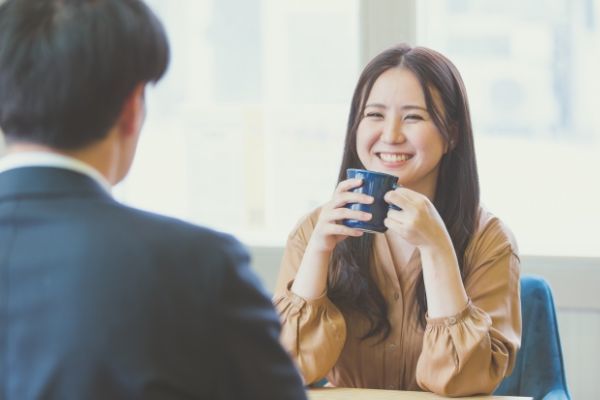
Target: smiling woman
x=411 y=308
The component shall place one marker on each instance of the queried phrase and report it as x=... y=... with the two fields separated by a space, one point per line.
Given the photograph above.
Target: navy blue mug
x=375 y=184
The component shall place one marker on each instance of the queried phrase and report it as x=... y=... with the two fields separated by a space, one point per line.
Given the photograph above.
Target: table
x=376 y=394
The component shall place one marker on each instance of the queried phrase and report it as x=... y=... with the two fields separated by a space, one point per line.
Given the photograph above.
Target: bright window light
x=245 y=132
x=530 y=69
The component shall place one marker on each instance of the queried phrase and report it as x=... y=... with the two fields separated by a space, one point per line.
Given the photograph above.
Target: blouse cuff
x=451 y=320
x=300 y=302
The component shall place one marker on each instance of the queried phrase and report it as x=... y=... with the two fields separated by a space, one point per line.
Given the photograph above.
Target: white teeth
x=393 y=157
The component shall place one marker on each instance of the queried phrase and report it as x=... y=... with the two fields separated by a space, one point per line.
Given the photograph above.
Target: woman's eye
x=414 y=117
x=373 y=115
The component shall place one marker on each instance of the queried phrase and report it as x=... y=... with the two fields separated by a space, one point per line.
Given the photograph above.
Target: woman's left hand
x=418 y=222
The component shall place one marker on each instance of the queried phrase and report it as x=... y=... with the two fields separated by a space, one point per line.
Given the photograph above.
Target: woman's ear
x=452 y=138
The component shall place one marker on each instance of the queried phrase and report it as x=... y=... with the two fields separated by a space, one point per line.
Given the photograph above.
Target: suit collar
x=48 y=181
x=51 y=159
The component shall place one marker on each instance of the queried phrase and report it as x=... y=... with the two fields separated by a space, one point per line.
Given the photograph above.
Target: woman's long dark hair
x=351 y=285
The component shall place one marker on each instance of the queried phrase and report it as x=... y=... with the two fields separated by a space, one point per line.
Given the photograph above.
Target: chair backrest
x=539 y=370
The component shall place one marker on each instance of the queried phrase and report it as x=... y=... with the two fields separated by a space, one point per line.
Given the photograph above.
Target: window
x=245 y=132
x=530 y=71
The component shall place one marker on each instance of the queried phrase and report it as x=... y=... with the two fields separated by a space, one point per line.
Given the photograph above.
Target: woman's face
x=396 y=134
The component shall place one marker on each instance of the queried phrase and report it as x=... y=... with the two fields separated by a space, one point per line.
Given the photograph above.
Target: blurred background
x=245 y=133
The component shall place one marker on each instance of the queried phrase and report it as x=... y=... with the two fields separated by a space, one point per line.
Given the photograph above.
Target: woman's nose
x=392 y=131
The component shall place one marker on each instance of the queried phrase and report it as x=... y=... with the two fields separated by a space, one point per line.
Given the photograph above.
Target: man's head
x=69 y=69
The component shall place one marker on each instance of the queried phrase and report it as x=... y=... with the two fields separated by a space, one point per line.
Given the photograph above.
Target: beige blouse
x=468 y=353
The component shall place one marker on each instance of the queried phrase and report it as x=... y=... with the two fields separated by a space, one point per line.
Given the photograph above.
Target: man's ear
x=133 y=111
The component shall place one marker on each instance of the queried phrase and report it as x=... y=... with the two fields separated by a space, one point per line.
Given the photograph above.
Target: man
x=98 y=300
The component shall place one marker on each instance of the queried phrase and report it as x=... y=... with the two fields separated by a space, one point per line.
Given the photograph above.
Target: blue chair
x=539 y=370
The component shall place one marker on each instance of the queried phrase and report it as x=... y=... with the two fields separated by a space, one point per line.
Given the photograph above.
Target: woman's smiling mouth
x=394 y=157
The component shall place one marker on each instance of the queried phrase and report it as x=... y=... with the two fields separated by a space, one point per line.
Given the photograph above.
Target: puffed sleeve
x=471 y=352
x=313 y=330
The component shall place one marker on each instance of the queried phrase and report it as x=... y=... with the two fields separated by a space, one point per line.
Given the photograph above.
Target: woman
x=432 y=304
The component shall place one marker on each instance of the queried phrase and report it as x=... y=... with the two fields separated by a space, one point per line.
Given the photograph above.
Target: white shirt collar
x=44 y=159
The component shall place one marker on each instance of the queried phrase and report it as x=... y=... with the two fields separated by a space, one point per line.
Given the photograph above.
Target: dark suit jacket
x=102 y=301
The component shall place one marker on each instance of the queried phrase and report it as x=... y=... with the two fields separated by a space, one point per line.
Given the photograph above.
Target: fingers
x=343 y=198
x=338 y=214
x=348 y=184
x=406 y=199
x=332 y=221
x=396 y=198
x=397 y=219
x=343 y=194
x=329 y=229
x=400 y=222
x=394 y=225
x=342 y=230
x=397 y=215
x=335 y=211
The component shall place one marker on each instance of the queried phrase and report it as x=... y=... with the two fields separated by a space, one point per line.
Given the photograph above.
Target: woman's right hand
x=329 y=230
x=311 y=279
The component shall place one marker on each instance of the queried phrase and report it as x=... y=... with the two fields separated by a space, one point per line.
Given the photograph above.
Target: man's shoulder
x=171 y=229
x=160 y=221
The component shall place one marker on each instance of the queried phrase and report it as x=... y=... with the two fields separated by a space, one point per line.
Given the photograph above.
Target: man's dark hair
x=67 y=66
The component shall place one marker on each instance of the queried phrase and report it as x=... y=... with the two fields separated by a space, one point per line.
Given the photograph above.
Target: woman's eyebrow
x=406 y=107
x=375 y=105
x=413 y=107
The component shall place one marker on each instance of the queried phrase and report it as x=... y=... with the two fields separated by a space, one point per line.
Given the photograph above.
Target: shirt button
x=393 y=345
x=396 y=296
x=451 y=321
